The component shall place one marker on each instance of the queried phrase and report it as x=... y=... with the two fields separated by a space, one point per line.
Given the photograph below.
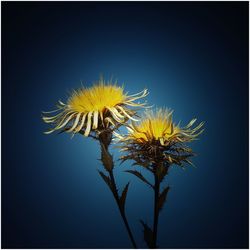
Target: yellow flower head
x=94 y=109
x=157 y=138
x=154 y=127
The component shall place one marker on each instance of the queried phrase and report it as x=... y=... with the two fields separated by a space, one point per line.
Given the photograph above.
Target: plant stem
x=122 y=212
x=156 y=210
x=105 y=140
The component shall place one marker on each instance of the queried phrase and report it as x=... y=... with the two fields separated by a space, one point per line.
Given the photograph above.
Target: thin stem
x=122 y=212
x=156 y=210
x=105 y=140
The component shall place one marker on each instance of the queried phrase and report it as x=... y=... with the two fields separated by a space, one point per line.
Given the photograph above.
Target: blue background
x=193 y=58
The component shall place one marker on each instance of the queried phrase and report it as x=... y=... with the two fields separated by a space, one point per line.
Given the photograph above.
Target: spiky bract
x=157 y=140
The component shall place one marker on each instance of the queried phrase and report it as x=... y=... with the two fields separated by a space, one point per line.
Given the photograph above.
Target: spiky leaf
x=148 y=235
x=161 y=171
x=140 y=176
x=162 y=198
x=141 y=163
x=123 y=197
x=106 y=179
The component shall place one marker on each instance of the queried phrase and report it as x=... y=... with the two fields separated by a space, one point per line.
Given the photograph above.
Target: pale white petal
x=49 y=131
x=64 y=117
x=66 y=121
x=162 y=141
x=117 y=135
x=75 y=123
x=88 y=128
x=52 y=111
x=124 y=112
x=51 y=119
x=95 y=120
x=139 y=93
x=132 y=104
x=109 y=120
x=61 y=103
x=117 y=113
x=191 y=123
x=114 y=115
x=144 y=94
x=81 y=124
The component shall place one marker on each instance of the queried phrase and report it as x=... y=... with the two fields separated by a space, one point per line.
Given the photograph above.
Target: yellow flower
x=94 y=109
x=154 y=127
x=157 y=139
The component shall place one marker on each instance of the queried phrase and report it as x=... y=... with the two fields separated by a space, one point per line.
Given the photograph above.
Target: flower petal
x=81 y=124
x=125 y=113
x=95 y=122
x=88 y=128
x=66 y=121
x=75 y=123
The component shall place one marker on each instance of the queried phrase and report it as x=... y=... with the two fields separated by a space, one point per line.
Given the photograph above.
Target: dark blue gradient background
x=193 y=58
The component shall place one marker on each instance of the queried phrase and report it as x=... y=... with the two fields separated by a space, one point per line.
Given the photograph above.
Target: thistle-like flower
x=156 y=143
x=97 y=111
x=97 y=108
x=157 y=139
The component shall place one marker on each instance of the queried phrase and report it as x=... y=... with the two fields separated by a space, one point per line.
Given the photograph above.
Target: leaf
x=106 y=179
x=148 y=235
x=162 y=198
x=106 y=158
x=142 y=164
x=161 y=171
x=140 y=176
x=123 y=197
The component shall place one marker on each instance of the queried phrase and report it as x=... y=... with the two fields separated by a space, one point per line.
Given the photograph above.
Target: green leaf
x=162 y=198
x=148 y=235
x=140 y=176
x=106 y=179
x=123 y=197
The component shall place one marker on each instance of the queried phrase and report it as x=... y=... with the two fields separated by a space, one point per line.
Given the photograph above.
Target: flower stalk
x=107 y=161
x=159 y=198
x=156 y=210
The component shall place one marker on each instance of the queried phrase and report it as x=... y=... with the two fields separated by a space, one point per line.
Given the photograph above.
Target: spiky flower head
x=156 y=139
x=94 y=109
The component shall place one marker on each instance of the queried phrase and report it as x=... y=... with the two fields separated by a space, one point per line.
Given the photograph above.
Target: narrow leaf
x=142 y=164
x=106 y=179
x=106 y=158
x=148 y=234
x=161 y=171
x=123 y=196
x=140 y=176
x=162 y=198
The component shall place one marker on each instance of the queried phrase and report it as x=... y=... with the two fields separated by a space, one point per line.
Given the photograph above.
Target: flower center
x=154 y=129
x=96 y=98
